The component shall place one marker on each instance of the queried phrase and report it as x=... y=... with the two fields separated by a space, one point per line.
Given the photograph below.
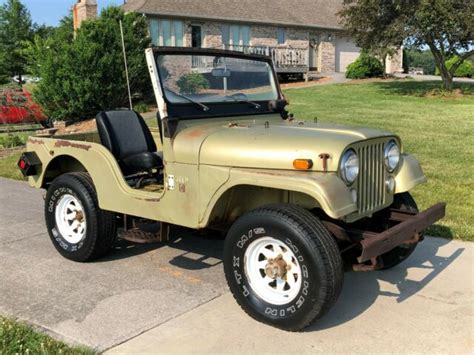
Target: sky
x=50 y=12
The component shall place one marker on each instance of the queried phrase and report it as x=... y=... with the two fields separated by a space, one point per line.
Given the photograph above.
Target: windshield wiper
x=243 y=99
x=204 y=107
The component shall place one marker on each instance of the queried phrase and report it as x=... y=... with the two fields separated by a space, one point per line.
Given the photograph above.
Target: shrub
x=366 y=66
x=11 y=141
x=84 y=75
x=465 y=70
x=192 y=83
x=141 y=107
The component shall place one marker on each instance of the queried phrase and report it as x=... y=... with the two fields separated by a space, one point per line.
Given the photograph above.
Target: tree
x=446 y=27
x=415 y=58
x=15 y=32
x=83 y=75
x=3 y=69
x=465 y=70
x=43 y=31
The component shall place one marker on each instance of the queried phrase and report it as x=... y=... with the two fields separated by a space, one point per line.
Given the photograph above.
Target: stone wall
x=394 y=63
x=261 y=35
x=267 y=36
x=327 y=52
x=212 y=35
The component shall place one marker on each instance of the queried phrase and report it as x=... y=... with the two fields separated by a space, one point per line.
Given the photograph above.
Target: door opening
x=196 y=36
x=314 y=52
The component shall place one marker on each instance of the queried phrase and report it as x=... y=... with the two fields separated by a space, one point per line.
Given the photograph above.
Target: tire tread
x=105 y=220
x=320 y=243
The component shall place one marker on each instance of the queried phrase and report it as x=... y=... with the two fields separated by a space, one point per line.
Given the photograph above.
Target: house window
x=281 y=35
x=167 y=33
x=236 y=35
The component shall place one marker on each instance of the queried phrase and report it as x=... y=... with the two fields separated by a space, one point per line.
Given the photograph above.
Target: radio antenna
x=126 y=66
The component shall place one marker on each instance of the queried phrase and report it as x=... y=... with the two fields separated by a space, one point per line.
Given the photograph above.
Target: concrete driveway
x=434 y=78
x=173 y=298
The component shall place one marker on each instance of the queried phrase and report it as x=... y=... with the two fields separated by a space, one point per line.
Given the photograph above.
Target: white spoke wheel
x=272 y=270
x=282 y=265
x=78 y=228
x=70 y=219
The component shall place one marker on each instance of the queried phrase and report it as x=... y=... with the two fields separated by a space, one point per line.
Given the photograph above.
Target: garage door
x=346 y=53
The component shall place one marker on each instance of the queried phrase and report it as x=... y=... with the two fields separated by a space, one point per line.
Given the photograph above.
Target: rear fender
x=113 y=192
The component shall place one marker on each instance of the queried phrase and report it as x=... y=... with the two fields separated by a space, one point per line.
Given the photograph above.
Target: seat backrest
x=124 y=133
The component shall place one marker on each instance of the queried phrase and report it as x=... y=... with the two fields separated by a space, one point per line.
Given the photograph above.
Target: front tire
x=282 y=266
x=79 y=229
x=404 y=202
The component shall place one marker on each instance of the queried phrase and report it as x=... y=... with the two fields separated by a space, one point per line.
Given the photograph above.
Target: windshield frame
x=188 y=110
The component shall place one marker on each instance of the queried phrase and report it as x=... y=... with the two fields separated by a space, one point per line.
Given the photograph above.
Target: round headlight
x=392 y=155
x=349 y=166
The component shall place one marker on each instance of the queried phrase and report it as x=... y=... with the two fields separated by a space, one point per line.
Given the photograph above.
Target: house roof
x=306 y=13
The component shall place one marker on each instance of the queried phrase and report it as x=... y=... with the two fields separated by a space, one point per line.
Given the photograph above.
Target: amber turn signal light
x=302 y=164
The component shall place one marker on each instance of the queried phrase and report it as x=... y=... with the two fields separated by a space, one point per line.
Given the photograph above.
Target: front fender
x=409 y=174
x=327 y=189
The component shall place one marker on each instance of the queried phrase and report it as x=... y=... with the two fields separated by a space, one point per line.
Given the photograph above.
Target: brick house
x=300 y=35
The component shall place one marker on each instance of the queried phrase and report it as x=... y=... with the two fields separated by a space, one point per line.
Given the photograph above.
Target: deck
x=286 y=60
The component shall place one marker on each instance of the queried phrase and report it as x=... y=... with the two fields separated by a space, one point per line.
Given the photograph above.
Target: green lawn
x=19 y=338
x=8 y=168
x=439 y=131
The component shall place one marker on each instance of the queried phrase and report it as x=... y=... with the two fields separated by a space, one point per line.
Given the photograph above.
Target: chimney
x=84 y=10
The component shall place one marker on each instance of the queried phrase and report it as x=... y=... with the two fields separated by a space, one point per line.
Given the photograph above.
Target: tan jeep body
x=297 y=199
x=217 y=169
x=222 y=170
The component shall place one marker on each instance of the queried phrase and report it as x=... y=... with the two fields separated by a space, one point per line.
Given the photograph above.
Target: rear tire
x=296 y=250
x=79 y=229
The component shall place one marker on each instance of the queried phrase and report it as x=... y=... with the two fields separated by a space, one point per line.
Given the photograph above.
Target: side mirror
x=221 y=72
x=277 y=105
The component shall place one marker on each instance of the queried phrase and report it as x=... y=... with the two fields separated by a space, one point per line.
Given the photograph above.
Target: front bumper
x=407 y=228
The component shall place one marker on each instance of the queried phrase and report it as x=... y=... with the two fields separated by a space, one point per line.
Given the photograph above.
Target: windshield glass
x=215 y=79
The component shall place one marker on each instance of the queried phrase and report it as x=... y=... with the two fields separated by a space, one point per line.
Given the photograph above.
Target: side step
x=147 y=233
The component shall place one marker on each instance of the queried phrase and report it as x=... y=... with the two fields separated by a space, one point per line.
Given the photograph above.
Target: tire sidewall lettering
x=52 y=202
x=249 y=236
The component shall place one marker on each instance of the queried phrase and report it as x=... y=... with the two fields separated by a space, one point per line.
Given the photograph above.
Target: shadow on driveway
x=199 y=250
x=361 y=289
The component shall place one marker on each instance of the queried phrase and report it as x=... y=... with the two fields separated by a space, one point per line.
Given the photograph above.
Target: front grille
x=371 y=180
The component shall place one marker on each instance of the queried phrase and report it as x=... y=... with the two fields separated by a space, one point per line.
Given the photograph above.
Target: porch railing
x=283 y=57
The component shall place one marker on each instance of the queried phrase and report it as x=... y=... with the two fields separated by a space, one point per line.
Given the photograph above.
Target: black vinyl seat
x=127 y=136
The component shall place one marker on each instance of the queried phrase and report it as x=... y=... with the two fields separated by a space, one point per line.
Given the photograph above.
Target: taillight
x=29 y=164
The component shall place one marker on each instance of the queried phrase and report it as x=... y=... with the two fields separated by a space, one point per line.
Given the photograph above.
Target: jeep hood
x=252 y=144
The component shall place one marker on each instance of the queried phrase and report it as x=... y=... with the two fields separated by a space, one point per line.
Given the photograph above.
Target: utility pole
x=126 y=66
